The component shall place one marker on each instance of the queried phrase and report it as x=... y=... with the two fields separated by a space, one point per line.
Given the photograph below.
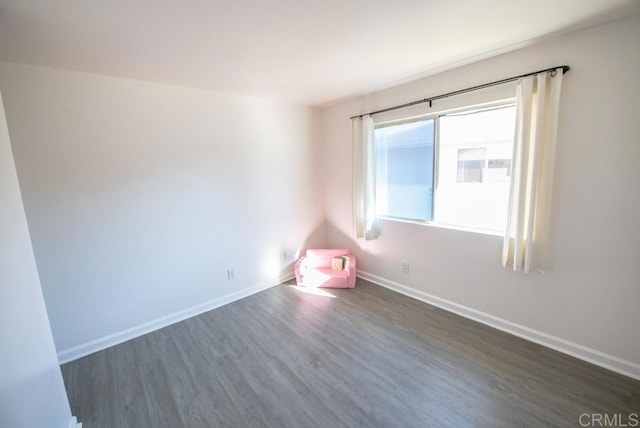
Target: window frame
x=435 y=116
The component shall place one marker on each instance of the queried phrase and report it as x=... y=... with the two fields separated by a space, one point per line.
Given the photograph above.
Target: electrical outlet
x=231 y=274
x=405 y=267
x=289 y=256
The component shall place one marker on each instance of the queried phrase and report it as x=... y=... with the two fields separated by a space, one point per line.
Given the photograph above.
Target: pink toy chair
x=319 y=269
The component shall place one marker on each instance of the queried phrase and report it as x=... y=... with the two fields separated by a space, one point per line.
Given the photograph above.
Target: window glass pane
x=474 y=167
x=404 y=170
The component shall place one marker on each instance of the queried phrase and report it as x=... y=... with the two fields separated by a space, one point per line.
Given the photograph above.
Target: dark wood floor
x=367 y=357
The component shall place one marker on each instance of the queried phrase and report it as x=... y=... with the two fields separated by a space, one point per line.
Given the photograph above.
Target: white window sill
x=442 y=226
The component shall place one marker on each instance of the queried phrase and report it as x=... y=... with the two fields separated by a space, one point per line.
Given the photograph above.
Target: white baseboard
x=598 y=358
x=79 y=351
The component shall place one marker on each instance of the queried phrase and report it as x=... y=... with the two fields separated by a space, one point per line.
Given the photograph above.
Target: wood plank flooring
x=367 y=357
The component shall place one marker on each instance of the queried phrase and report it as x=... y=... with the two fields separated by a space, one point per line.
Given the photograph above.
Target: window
x=451 y=168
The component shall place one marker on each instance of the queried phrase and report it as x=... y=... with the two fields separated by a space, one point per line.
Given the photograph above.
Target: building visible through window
x=471 y=164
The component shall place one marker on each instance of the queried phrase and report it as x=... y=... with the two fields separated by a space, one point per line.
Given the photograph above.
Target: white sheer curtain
x=364 y=156
x=525 y=240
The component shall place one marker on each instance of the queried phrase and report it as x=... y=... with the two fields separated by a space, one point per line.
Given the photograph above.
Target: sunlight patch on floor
x=312 y=290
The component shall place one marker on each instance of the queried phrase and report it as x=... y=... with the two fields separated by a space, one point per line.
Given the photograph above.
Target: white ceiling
x=309 y=52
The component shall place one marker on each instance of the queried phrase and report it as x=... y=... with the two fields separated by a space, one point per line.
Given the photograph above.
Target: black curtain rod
x=429 y=100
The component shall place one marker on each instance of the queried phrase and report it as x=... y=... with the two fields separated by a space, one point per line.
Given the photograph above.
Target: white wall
x=139 y=196
x=589 y=298
x=32 y=393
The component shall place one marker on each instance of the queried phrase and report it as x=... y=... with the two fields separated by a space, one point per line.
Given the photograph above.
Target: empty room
x=319 y=214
